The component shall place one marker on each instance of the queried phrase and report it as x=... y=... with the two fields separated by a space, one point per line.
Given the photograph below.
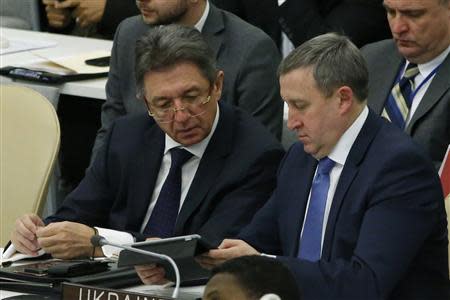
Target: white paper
x=10 y=255
x=17 y=45
x=76 y=63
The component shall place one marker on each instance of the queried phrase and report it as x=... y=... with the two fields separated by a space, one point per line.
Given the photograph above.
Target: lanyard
x=416 y=90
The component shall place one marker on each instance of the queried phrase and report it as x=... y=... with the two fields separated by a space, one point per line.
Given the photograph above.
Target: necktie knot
x=400 y=99
x=411 y=71
x=325 y=165
x=179 y=157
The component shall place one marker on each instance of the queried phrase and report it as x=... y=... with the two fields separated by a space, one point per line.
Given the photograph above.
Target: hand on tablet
x=228 y=249
x=151 y=274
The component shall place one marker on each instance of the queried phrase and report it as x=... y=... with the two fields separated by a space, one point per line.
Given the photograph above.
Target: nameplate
x=73 y=291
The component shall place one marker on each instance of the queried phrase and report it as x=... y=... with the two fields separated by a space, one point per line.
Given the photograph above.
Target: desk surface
x=195 y=290
x=66 y=45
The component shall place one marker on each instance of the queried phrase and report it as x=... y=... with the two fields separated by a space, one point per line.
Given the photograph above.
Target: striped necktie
x=399 y=102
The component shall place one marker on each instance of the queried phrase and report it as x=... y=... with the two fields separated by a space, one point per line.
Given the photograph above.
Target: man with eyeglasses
x=188 y=165
x=247 y=56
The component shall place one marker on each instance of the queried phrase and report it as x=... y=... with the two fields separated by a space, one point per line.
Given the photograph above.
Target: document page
x=75 y=63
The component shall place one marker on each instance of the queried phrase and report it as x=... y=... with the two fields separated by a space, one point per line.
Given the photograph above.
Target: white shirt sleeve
x=114 y=236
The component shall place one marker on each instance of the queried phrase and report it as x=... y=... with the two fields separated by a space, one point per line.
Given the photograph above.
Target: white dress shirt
x=339 y=155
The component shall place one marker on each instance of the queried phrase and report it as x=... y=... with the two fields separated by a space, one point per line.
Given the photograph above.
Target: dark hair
x=165 y=46
x=260 y=275
x=335 y=61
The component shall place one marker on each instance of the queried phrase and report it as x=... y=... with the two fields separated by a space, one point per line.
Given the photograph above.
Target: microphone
x=99 y=241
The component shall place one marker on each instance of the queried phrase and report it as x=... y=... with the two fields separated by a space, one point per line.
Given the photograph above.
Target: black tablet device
x=181 y=249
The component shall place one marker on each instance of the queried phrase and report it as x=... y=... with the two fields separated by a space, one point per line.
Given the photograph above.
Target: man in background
x=409 y=80
x=247 y=56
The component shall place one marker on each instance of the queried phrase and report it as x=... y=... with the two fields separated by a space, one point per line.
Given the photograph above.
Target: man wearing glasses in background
x=194 y=166
x=247 y=56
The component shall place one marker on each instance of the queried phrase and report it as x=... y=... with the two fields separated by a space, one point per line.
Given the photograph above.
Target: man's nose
x=398 y=24
x=181 y=114
x=294 y=120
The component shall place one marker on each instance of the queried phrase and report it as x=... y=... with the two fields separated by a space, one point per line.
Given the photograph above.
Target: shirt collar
x=201 y=23
x=197 y=149
x=341 y=150
x=428 y=67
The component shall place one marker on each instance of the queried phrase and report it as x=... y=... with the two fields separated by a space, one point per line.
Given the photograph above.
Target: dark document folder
x=47 y=276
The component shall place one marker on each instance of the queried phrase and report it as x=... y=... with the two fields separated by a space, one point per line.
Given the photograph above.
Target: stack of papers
x=65 y=65
x=16 y=45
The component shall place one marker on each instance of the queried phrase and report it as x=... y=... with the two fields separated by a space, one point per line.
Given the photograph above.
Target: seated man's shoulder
x=250 y=133
x=238 y=29
x=131 y=26
x=133 y=123
x=394 y=147
x=379 y=48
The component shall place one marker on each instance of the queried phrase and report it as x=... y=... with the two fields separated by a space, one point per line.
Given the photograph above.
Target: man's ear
x=218 y=85
x=346 y=98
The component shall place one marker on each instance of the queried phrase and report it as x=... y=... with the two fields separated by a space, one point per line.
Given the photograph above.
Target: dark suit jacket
x=248 y=57
x=430 y=124
x=386 y=236
x=261 y=13
x=364 y=21
x=115 y=12
x=235 y=178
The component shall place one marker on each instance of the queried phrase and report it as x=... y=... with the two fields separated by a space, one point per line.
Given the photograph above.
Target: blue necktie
x=165 y=213
x=399 y=102
x=310 y=242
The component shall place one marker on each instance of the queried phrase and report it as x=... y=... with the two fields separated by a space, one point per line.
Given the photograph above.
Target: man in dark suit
x=358 y=212
x=363 y=21
x=247 y=56
x=422 y=40
x=194 y=166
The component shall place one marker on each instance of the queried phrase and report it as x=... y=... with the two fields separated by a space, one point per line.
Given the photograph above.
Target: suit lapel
x=349 y=172
x=145 y=170
x=296 y=214
x=210 y=166
x=382 y=79
x=212 y=29
x=438 y=87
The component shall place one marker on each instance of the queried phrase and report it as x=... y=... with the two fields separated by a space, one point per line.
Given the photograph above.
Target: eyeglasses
x=164 y=112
